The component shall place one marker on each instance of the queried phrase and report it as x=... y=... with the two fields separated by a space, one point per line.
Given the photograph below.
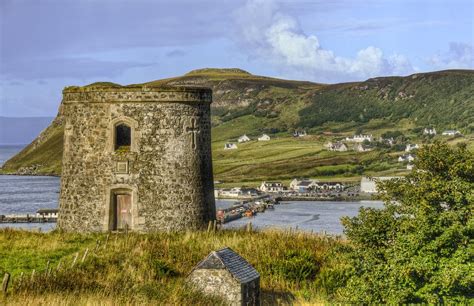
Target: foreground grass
x=152 y=268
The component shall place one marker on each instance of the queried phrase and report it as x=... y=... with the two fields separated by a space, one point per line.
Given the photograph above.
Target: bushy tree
x=420 y=247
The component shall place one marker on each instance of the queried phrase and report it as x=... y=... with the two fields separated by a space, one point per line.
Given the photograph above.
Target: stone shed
x=226 y=274
x=136 y=157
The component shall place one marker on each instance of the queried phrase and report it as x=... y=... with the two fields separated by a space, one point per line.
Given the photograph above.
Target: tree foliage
x=420 y=247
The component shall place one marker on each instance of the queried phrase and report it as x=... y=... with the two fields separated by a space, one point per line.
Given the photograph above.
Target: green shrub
x=296 y=265
x=418 y=249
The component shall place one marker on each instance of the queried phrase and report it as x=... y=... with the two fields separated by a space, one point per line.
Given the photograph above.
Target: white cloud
x=267 y=33
x=459 y=55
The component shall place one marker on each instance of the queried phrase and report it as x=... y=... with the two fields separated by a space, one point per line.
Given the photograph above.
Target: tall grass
x=152 y=268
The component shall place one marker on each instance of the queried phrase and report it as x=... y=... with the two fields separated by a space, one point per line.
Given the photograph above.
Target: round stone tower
x=136 y=158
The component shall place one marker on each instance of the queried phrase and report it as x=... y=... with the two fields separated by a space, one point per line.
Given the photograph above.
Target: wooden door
x=124 y=211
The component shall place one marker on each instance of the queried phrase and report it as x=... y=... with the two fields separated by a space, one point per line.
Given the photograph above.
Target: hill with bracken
x=246 y=103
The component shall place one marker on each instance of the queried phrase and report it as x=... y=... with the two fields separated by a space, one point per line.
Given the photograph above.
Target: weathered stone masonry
x=166 y=170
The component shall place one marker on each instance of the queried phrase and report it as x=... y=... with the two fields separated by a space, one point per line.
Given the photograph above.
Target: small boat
x=249 y=213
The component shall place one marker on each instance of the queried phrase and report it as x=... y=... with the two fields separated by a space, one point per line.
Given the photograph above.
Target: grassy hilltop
x=245 y=103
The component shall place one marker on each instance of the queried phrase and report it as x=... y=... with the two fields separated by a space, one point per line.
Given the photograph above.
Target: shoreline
x=30 y=174
x=368 y=197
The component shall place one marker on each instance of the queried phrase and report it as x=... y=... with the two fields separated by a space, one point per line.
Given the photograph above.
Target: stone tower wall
x=169 y=163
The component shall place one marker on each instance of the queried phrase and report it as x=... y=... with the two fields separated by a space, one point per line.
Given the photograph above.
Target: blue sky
x=49 y=44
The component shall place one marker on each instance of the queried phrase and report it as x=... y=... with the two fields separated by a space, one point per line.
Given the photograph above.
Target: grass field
x=152 y=268
x=284 y=158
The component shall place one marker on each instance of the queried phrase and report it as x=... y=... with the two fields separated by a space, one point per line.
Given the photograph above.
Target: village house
x=243 y=138
x=390 y=141
x=337 y=146
x=330 y=186
x=236 y=192
x=272 y=187
x=229 y=193
x=362 y=148
x=225 y=274
x=230 y=146
x=303 y=185
x=264 y=137
x=451 y=133
x=429 y=131
x=249 y=192
x=47 y=213
x=298 y=133
x=411 y=147
x=409 y=166
x=369 y=184
x=406 y=158
x=359 y=138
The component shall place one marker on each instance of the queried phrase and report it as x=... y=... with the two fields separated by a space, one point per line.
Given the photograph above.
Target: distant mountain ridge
x=251 y=104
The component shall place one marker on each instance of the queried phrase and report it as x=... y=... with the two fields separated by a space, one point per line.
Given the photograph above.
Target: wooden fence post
x=85 y=255
x=209 y=226
x=33 y=275
x=6 y=281
x=106 y=241
x=97 y=245
x=75 y=259
x=20 y=280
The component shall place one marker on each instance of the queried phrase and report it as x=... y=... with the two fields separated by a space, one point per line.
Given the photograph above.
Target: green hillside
x=250 y=104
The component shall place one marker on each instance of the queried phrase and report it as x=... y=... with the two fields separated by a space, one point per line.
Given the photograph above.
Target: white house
x=335 y=186
x=271 y=187
x=298 y=133
x=264 y=137
x=451 y=133
x=406 y=158
x=409 y=166
x=359 y=138
x=243 y=138
x=369 y=184
x=411 y=147
x=337 y=146
x=429 y=131
x=303 y=185
x=230 y=146
x=390 y=141
x=237 y=192
x=47 y=213
x=361 y=148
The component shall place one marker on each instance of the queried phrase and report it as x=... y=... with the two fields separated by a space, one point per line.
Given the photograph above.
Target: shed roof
x=227 y=259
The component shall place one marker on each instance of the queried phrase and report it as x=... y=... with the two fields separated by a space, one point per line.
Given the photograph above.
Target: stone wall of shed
x=170 y=180
x=217 y=282
x=251 y=293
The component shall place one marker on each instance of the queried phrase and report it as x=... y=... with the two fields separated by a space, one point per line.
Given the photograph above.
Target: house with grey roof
x=226 y=274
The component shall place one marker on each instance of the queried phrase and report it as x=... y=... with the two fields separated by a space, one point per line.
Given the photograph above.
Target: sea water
x=315 y=216
x=27 y=194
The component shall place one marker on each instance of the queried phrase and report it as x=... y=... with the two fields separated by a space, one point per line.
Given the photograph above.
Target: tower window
x=123 y=137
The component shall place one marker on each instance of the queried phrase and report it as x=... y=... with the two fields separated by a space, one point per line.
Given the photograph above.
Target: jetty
x=246 y=208
x=48 y=215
